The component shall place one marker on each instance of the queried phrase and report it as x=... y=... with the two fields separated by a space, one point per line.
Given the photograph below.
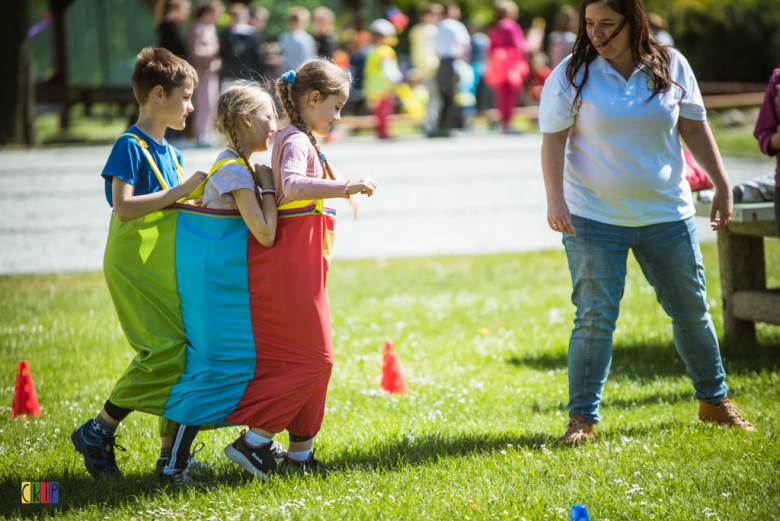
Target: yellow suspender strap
x=303 y=204
x=152 y=164
x=179 y=169
x=198 y=192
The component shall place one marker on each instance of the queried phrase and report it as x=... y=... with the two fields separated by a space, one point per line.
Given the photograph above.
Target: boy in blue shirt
x=143 y=175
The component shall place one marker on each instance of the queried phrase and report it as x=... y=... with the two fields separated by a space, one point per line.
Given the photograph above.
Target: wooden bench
x=746 y=299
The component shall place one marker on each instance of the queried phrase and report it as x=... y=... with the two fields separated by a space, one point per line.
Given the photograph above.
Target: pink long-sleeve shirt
x=507 y=34
x=768 y=120
x=299 y=174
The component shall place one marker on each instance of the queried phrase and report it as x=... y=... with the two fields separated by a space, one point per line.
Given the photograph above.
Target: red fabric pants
x=506 y=99
x=291 y=324
x=382 y=112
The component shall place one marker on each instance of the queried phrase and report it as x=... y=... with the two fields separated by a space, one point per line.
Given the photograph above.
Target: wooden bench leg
x=742 y=267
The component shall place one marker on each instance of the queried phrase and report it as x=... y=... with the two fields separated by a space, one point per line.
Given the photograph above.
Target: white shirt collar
x=600 y=64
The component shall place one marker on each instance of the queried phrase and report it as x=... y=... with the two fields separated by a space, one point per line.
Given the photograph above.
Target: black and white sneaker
x=192 y=463
x=310 y=464
x=260 y=461
x=179 y=478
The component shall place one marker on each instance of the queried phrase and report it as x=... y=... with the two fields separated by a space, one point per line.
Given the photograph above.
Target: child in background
x=171 y=14
x=246 y=118
x=561 y=40
x=323 y=20
x=422 y=48
x=292 y=392
x=297 y=45
x=381 y=74
x=539 y=74
x=767 y=132
x=143 y=175
x=416 y=81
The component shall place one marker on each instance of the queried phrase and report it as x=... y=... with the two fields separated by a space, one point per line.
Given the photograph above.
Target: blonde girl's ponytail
x=328 y=79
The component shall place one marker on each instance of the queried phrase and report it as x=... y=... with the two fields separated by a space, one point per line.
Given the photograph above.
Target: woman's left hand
x=722 y=206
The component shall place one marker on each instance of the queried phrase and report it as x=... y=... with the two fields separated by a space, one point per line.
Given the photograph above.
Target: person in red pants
x=508 y=63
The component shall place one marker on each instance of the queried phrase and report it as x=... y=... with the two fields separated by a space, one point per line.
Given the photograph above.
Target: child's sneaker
x=180 y=478
x=98 y=449
x=192 y=463
x=310 y=464
x=260 y=461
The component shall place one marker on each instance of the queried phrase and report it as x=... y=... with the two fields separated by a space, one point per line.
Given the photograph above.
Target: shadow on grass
x=79 y=491
x=418 y=449
x=648 y=360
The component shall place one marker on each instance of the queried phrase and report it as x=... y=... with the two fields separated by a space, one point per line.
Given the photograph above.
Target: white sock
x=255 y=440
x=301 y=455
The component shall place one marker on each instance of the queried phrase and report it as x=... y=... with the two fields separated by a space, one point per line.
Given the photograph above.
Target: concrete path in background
x=473 y=194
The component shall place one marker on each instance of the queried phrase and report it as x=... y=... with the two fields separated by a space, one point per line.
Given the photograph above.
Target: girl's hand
x=264 y=177
x=559 y=218
x=777 y=97
x=364 y=185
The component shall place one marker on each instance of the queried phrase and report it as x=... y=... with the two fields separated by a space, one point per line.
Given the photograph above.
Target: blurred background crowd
x=435 y=68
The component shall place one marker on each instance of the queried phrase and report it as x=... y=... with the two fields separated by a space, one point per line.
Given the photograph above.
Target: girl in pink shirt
x=294 y=349
x=507 y=62
x=313 y=97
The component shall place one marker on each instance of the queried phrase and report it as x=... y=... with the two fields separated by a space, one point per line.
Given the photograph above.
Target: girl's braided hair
x=328 y=79
x=240 y=98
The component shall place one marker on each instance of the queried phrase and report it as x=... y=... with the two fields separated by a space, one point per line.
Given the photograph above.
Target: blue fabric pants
x=671 y=261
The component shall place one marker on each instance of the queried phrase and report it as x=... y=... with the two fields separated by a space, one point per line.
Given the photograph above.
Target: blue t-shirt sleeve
x=125 y=162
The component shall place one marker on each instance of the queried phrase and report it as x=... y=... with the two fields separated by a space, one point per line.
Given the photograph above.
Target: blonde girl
x=246 y=118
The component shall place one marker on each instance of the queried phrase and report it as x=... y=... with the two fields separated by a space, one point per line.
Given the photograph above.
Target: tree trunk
x=16 y=90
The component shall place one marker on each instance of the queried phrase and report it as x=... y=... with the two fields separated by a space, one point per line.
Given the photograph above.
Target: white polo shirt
x=624 y=160
x=452 y=39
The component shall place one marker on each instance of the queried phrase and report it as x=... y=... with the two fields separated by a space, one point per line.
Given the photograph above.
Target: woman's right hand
x=559 y=218
x=364 y=185
x=264 y=176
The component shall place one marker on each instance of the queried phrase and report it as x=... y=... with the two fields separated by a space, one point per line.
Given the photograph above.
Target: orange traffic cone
x=25 y=399
x=392 y=378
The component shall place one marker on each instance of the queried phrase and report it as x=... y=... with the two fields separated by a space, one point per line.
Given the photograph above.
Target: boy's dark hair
x=156 y=66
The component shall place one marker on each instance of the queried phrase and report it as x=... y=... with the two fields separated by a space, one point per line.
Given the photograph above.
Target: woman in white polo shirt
x=612 y=115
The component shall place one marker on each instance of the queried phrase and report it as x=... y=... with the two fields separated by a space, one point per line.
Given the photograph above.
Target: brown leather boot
x=726 y=413
x=578 y=430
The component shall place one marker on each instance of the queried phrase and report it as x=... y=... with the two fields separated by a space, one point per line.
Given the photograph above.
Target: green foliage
x=727 y=40
x=481 y=341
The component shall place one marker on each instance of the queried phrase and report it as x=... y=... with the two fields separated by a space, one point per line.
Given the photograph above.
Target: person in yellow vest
x=381 y=74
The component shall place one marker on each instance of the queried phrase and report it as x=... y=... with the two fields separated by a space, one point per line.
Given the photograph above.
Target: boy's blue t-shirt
x=128 y=162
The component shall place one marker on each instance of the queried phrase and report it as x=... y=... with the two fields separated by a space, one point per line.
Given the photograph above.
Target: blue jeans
x=671 y=261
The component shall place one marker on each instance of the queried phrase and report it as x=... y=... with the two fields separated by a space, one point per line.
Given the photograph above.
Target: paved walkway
x=472 y=194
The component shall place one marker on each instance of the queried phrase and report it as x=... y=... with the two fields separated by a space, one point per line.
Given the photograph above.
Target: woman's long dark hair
x=644 y=47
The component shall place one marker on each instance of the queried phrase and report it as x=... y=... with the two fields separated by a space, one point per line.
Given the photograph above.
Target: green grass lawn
x=736 y=141
x=482 y=341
